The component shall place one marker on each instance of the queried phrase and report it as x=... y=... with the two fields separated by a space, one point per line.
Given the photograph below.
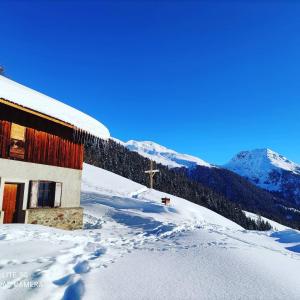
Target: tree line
x=114 y=157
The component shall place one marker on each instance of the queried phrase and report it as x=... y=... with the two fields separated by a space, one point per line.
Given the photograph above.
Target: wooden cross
x=151 y=173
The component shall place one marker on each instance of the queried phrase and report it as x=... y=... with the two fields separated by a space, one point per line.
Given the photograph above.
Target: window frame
x=54 y=192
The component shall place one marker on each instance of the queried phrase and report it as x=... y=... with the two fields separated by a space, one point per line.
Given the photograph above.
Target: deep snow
x=133 y=247
x=29 y=98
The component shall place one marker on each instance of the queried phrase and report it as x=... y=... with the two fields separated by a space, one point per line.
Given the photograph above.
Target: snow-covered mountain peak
x=263 y=167
x=148 y=146
x=263 y=160
x=163 y=155
x=282 y=162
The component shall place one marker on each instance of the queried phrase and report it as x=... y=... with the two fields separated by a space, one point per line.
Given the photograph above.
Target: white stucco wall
x=22 y=172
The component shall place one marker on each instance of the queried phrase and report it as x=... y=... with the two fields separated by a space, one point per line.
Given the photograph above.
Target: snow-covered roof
x=24 y=96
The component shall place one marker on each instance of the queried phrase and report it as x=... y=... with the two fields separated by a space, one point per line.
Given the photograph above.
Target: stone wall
x=63 y=218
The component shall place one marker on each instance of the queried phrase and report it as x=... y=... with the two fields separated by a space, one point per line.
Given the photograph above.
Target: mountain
x=242 y=192
x=163 y=155
x=114 y=157
x=269 y=170
x=229 y=184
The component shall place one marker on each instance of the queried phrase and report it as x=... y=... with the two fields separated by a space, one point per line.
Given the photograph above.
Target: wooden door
x=9 y=201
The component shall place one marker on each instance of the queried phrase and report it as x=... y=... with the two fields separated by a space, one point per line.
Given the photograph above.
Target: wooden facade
x=5 y=127
x=43 y=148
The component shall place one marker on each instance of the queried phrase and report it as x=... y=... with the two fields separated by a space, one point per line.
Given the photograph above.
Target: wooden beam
x=36 y=113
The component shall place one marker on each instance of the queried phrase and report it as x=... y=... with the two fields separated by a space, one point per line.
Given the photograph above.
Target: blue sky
x=206 y=78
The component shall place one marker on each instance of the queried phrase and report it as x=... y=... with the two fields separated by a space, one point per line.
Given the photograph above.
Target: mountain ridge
x=269 y=170
x=164 y=155
x=274 y=184
x=263 y=167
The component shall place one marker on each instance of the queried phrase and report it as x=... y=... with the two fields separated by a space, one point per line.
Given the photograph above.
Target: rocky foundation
x=63 y=218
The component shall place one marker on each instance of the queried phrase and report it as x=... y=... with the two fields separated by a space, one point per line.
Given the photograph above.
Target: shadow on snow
x=147 y=225
x=287 y=237
x=125 y=203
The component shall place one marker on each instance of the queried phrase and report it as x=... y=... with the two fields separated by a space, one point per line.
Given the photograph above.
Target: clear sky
x=205 y=78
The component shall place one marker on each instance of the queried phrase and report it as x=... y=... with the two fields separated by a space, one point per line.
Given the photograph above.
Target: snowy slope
x=163 y=155
x=206 y=265
x=269 y=170
x=180 y=212
x=133 y=247
x=19 y=94
x=275 y=225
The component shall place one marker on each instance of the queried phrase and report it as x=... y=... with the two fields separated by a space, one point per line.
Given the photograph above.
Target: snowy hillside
x=163 y=155
x=133 y=247
x=24 y=96
x=181 y=212
x=269 y=170
x=276 y=226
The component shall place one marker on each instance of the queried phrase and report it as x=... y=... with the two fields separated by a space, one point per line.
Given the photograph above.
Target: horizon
x=204 y=79
x=247 y=150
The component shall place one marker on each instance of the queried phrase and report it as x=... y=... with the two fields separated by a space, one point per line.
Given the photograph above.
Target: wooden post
x=151 y=173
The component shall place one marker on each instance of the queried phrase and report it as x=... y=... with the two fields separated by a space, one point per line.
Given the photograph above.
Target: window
x=45 y=194
x=17 y=142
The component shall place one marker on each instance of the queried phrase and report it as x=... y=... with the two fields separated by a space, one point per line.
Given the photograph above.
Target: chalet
x=41 y=157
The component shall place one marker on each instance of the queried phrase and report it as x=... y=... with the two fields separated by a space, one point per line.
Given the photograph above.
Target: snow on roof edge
x=29 y=98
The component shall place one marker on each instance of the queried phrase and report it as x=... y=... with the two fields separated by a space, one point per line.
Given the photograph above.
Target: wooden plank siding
x=5 y=128
x=44 y=148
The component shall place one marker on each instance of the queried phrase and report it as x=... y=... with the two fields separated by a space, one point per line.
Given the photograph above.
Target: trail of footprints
x=96 y=249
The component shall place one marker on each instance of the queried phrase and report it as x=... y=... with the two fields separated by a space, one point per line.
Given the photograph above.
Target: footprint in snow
x=82 y=267
x=36 y=274
x=64 y=280
x=97 y=253
x=74 y=291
